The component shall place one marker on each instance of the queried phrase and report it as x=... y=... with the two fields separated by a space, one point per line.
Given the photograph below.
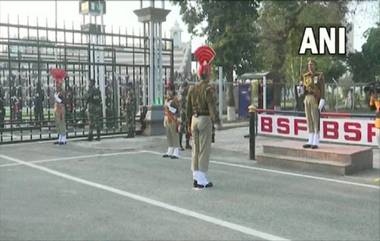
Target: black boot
x=180 y=141
x=90 y=136
x=188 y=144
x=98 y=134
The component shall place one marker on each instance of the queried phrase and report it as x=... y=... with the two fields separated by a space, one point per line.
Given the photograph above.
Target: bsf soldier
x=130 y=110
x=184 y=89
x=375 y=104
x=59 y=105
x=171 y=110
x=314 y=90
x=59 y=109
x=94 y=101
x=201 y=107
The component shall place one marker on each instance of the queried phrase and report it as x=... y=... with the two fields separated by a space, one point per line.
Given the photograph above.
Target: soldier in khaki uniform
x=201 y=107
x=314 y=89
x=59 y=106
x=171 y=111
x=374 y=103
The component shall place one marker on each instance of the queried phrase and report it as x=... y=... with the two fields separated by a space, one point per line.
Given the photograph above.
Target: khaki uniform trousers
x=312 y=113
x=201 y=129
x=60 y=123
x=171 y=133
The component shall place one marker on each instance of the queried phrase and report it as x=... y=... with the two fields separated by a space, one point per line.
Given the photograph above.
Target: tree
x=231 y=30
x=365 y=65
x=281 y=25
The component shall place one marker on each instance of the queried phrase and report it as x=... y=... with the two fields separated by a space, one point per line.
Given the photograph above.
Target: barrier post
x=252 y=130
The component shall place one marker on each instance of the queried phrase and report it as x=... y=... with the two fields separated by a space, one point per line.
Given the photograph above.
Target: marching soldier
x=94 y=101
x=183 y=91
x=314 y=90
x=59 y=110
x=131 y=111
x=171 y=111
x=201 y=107
x=59 y=105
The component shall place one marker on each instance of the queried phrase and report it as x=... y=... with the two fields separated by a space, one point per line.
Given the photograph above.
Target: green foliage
x=282 y=24
x=365 y=65
x=230 y=29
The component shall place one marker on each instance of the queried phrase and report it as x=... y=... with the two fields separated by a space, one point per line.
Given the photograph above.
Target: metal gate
x=27 y=53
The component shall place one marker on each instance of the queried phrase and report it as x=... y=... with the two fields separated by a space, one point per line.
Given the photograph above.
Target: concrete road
x=122 y=189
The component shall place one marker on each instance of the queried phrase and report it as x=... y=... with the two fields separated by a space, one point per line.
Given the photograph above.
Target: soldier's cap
x=311 y=61
x=205 y=55
x=169 y=86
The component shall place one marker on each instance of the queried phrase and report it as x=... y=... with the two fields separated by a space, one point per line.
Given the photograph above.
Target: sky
x=120 y=14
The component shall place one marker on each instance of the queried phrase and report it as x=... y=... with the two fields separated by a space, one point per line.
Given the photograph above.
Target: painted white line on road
x=284 y=173
x=74 y=158
x=186 y=212
x=215 y=162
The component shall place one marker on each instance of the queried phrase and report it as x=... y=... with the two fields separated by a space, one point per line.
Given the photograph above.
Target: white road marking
x=215 y=162
x=75 y=157
x=284 y=173
x=186 y=212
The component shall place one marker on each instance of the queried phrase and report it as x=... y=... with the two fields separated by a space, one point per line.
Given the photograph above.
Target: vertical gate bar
x=67 y=79
x=42 y=86
x=10 y=77
x=82 y=101
x=172 y=61
x=48 y=98
x=39 y=67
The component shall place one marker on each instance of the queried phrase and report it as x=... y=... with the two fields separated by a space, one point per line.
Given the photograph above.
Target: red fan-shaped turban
x=205 y=55
x=58 y=75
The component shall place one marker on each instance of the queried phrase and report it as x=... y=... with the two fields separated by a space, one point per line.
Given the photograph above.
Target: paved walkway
x=122 y=189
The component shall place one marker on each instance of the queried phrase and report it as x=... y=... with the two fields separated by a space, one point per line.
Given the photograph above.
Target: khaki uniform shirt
x=201 y=101
x=314 y=84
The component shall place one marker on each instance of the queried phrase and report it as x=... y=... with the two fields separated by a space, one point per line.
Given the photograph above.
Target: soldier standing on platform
x=201 y=107
x=183 y=91
x=171 y=111
x=314 y=89
x=131 y=111
x=94 y=101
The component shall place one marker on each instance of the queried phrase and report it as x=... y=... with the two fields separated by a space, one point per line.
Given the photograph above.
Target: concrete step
x=327 y=152
x=303 y=164
x=332 y=158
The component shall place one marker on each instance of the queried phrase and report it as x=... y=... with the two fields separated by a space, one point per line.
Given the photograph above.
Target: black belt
x=196 y=114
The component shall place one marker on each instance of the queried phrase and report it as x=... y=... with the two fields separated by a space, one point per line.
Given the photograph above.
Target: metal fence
x=27 y=53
